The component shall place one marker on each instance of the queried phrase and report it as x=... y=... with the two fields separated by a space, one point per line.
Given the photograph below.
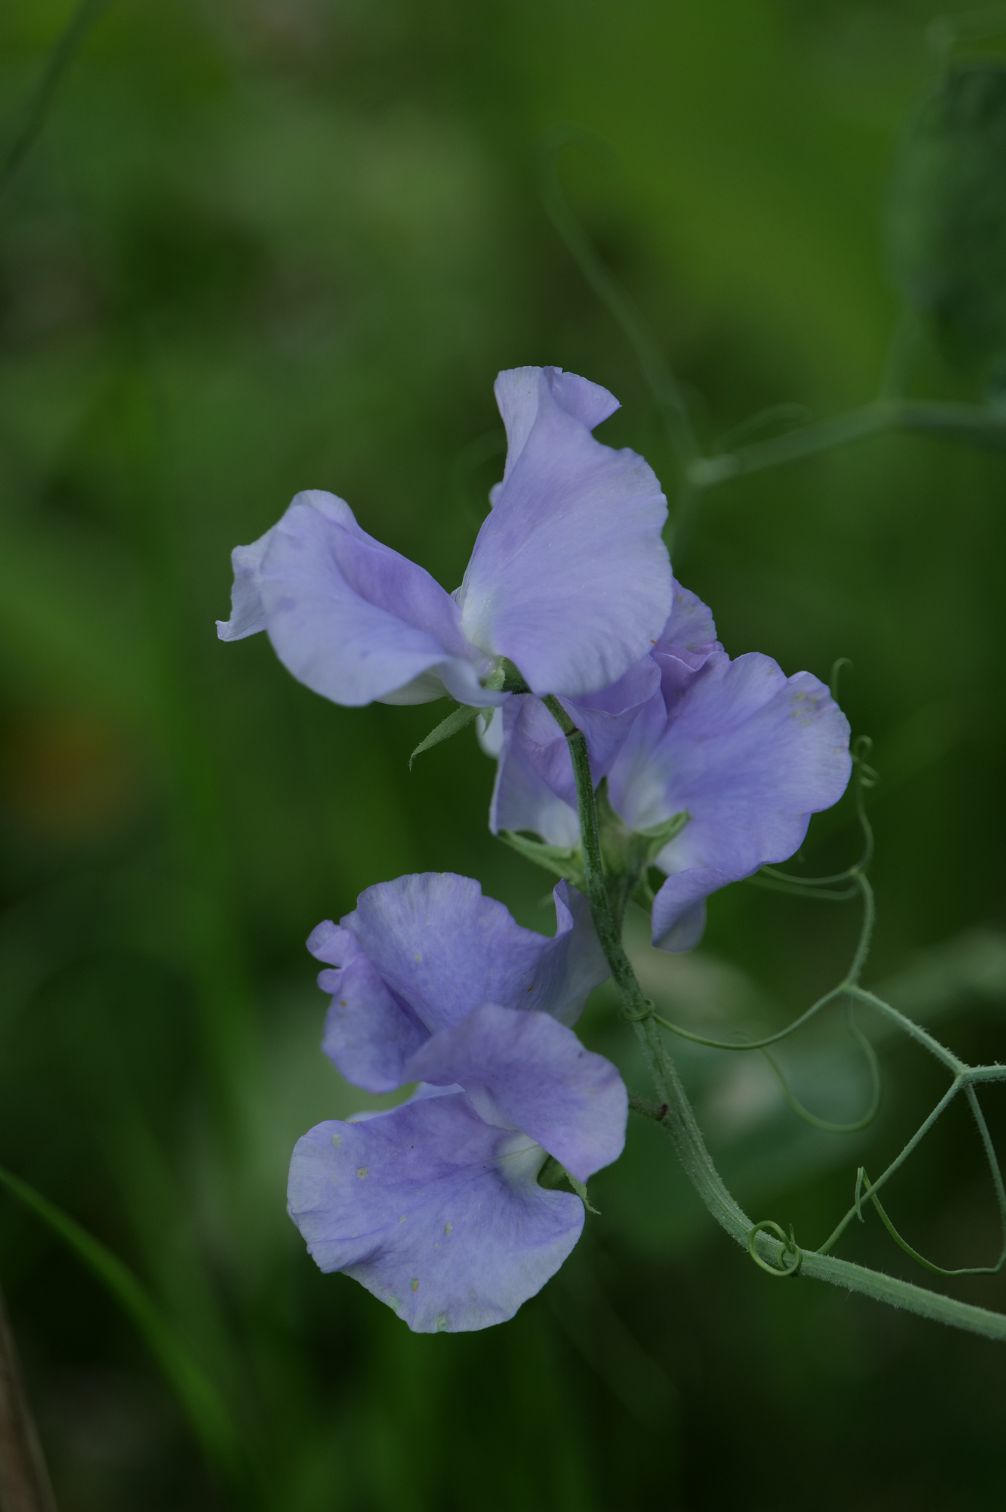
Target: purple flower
x=435 y=1206
x=744 y=752
x=569 y=578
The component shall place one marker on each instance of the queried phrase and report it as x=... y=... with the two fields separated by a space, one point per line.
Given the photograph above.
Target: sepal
x=629 y=853
x=459 y=719
x=560 y=860
x=553 y=1175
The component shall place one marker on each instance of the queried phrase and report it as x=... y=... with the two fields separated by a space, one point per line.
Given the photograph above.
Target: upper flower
x=569 y=579
x=435 y=1206
x=741 y=752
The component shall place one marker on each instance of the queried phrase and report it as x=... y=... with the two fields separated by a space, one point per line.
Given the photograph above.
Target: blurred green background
x=259 y=247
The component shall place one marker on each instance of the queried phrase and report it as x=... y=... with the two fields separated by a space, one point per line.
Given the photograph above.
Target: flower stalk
x=677 y=1117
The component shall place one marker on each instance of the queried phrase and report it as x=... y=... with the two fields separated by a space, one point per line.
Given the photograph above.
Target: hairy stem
x=677 y=1118
x=910 y=1027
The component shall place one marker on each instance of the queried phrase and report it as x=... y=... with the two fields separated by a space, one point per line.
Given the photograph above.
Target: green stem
x=987 y=1074
x=910 y=1027
x=964 y=422
x=895 y=1165
x=635 y=1003
x=677 y=1118
x=995 y=1171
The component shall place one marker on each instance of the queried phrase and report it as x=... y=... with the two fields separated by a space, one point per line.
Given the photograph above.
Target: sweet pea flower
x=743 y=753
x=435 y=1206
x=569 y=579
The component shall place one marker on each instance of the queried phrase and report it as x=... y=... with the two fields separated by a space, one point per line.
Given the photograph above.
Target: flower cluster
x=435 y=1206
x=710 y=768
x=728 y=758
x=568 y=580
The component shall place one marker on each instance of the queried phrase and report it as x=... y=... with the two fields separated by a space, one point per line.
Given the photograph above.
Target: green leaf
x=455 y=722
x=558 y=860
x=948 y=218
x=206 y=1407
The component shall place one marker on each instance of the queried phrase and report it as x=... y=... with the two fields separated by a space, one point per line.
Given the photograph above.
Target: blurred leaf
x=70 y=605
x=60 y=58
x=202 y=1402
x=948 y=218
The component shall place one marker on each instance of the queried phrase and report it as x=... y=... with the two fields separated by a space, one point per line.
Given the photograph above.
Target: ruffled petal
x=247 y=609
x=526 y=1071
x=750 y=755
x=605 y=716
x=686 y=643
x=638 y=778
x=534 y=788
x=679 y=909
x=435 y=1212
x=442 y=948
x=572 y=963
x=518 y=398
x=369 y=1033
x=569 y=577
x=350 y=618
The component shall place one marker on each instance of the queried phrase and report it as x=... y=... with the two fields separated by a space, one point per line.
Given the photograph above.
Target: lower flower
x=435 y=1206
x=436 y=1212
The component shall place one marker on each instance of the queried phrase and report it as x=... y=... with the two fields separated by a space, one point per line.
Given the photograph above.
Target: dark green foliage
x=260 y=247
x=948 y=218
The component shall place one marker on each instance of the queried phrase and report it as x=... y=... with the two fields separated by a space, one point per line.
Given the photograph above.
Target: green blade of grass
x=199 y=1397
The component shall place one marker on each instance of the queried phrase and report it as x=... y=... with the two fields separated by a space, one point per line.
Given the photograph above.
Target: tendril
x=992 y=1160
x=838 y=667
x=790 y=1257
x=864 y=778
x=794 y=887
x=865 y=1189
x=827 y=1125
x=844 y=885
x=759 y=1044
x=675 y=1115
x=847 y=988
x=639 y=1015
